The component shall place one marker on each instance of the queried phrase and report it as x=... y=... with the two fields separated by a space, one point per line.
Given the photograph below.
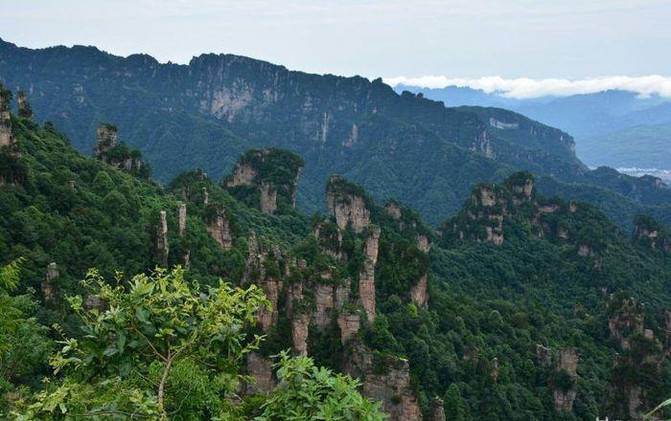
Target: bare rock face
x=423 y=243
x=206 y=196
x=483 y=145
x=106 y=139
x=349 y=325
x=373 y=244
x=567 y=363
x=394 y=391
x=626 y=320
x=348 y=204
x=273 y=173
x=261 y=370
x=49 y=290
x=487 y=196
x=267 y=317
x=324 y=305
x=299 y=333
x=111 y=151
x=418 y=293
x=181 y=219
x=651 y=233
x=220 y=230
x=367 y=289
x=25 y=110
x=6 y=137
x=342 y=293
x=437 y=410
x=162 y=246
x=243 y=175
x=268 y=199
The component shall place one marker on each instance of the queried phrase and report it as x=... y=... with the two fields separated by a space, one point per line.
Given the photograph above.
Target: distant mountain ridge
x=614 y=128
x=208 y=112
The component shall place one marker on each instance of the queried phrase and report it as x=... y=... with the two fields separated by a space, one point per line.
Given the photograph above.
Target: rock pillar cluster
x=272 y=173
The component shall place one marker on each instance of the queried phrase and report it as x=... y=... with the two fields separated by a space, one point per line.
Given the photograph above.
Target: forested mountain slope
x=210 y=111
x=519 y=307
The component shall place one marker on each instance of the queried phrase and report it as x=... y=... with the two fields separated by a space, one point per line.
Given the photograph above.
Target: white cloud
x=532 y=88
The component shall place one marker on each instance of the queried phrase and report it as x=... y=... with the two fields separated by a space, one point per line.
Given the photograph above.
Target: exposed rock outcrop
x=348 y=203
x=393 y=389
x=300 y=324
x=24 y=108
x=162 y=246
x=106 y=139
x=49 y=290
x=260 y=369
x=423 y=243
x=625 y=319
x=181 y=219
x=219 y=229
x=272 y=173
x=6 y=136
x=564 y=394
x=111 y=151
x=267 y=317
x=324 y=304
x=651 y=233
x=367 y=274
x=418 y=293
x=349 y=324
x=437 y=410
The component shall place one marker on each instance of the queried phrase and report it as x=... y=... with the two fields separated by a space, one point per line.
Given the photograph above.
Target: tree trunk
x=161 y=388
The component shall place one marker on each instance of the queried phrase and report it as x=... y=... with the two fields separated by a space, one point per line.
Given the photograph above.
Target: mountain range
x=613 y=128
x=402 y=146
x=517 y=307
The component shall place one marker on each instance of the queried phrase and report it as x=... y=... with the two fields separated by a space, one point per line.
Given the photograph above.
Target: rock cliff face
x=393 y=389
x=272 y=174
x=626 y=320
x=641 y=353
x=49 y=290
x=299 y=333
x=565 y=394
x=219 y=228
x=418 y=293
x=181 y=219
x=349 y=325
x=6 y=137
x=367 y=274
x=437 y=410
x=260 y=369
x=651 y=233
x=348 y=204
x=110 y=150
x=162 y=246
x=24 y=108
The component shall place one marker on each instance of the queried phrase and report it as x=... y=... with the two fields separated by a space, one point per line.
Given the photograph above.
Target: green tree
x=455 y=406
x=23 y=343
x=155 y=347
x=307 y=392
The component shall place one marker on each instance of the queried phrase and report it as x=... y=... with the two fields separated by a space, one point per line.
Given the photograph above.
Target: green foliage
x=23 y=341
x=158 y=346
x=310 y=393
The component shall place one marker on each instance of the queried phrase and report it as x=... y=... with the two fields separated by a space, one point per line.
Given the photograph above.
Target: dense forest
x=218 y=299
x=207 y=113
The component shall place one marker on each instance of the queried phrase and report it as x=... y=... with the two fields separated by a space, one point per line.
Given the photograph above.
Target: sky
x=478 y=41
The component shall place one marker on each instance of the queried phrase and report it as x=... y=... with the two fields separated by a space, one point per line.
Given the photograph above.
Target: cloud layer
x=533 y=88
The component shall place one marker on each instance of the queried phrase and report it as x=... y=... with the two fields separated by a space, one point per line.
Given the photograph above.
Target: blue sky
x=457 y=38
